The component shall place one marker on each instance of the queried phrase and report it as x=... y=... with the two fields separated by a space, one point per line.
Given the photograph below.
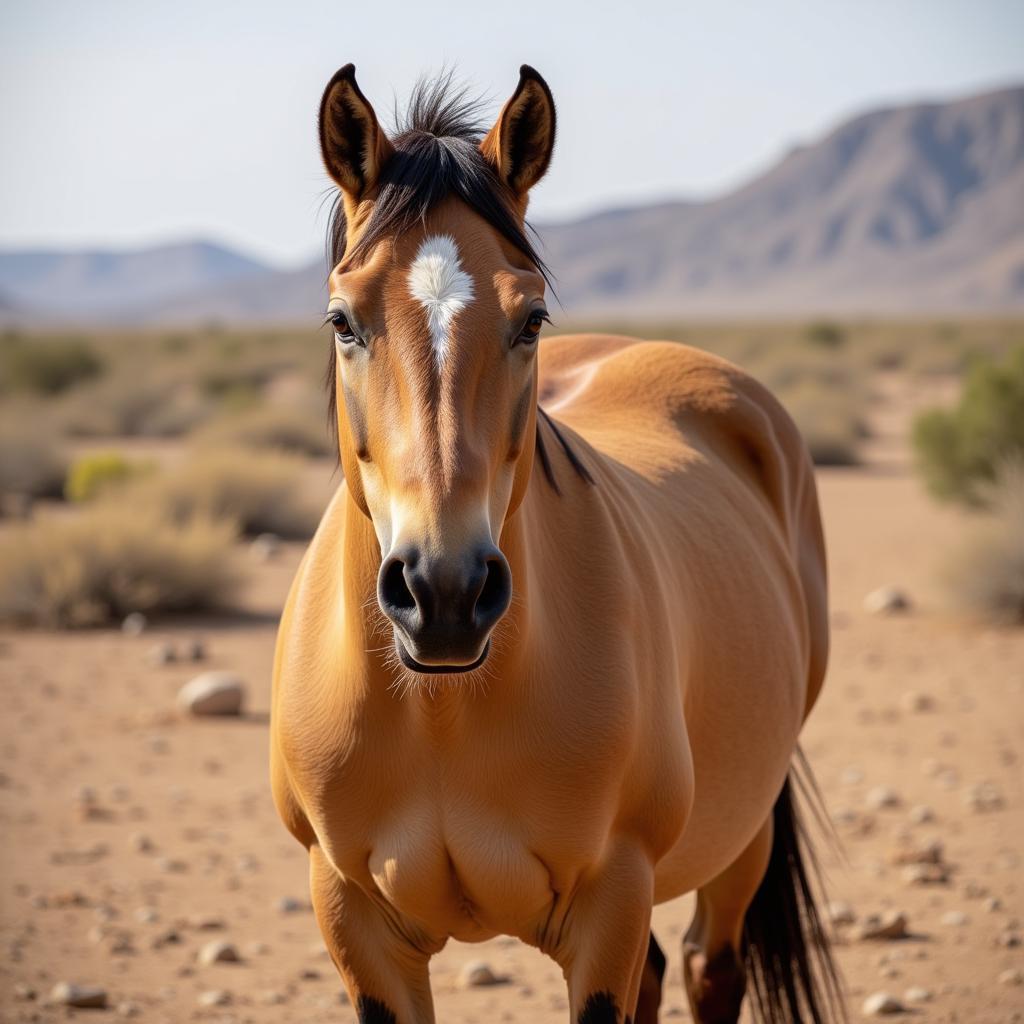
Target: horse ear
x=521 y=142
x=353 y=144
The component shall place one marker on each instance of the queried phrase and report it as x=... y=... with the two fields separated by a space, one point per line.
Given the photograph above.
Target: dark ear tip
x=345 y=74
x=528 y=74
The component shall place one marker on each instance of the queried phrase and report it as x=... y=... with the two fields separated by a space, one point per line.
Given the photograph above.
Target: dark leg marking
x=600 y=1008
x=373 y=1011
x=650 y=984
x=717 y=989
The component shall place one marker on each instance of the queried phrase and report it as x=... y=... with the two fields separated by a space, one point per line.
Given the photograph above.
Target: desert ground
x=134 y=836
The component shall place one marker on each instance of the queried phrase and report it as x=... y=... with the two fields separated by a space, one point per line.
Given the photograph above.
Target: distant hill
x=118 y=284
x=915 y=209
x=910 y=209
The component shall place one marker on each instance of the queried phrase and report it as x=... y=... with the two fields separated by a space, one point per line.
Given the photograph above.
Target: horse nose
x=445 y=603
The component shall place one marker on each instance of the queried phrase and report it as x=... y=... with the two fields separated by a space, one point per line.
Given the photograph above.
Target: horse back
x=694 y=425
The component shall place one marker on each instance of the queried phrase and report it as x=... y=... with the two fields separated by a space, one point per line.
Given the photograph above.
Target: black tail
x=790 y=972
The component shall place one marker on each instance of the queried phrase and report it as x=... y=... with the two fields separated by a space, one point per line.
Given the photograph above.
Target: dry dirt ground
x=132 y=837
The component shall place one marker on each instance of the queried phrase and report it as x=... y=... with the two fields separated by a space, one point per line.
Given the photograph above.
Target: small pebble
x=1012 y=976
x=984 y=797
x=266 y=546
x=218 y=953
x=195 y=650
x=215 y=997
x=914 y=701
x=213 y=693
x=477 y=974
x=955 y=919
x=134 y=624
x=161 y=654
x=881 y=1004
x=84 y=997
x=890 y=925
x=926 y=853
x=886 y=600
x=882 y=798
x=921 y=814
x=841 y=913
x=926 y=874
x=141 y=843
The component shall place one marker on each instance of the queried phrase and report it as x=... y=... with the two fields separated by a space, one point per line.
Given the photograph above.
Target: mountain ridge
x=902 y=209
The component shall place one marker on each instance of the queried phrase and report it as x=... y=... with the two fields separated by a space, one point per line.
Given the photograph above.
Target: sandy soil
x=132 y=837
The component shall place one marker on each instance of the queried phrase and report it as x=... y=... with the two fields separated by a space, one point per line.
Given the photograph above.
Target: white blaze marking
x=437 y=279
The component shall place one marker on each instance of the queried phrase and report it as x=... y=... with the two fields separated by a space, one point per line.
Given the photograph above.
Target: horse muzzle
x=443 y=610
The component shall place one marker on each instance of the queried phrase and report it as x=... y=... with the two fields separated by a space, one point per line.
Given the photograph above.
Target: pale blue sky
x=139 y=121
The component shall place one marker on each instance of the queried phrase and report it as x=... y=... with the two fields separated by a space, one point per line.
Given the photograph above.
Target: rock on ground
x=477 y=974
x=218 y=953
x=85 y=997
x=213 y=693
x=886 y=600
x=891 y=925
x=881 y=1004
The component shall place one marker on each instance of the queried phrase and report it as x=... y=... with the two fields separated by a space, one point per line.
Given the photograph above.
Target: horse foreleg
x=385 y=973
x=605 y=935
x=650 y=984
x=712 y=948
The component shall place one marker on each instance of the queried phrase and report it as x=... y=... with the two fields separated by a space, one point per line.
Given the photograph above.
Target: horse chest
x=470 y=854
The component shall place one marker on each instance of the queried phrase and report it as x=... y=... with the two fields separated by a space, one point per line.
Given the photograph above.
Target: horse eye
x=532 y=328
x=342 y=330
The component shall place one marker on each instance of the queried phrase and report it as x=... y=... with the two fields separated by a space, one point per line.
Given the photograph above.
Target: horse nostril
x=395 y=594
x=493 y=599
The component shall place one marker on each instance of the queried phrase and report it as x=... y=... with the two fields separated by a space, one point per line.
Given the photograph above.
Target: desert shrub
x=826 y=334
x=112 y=559
x=91 y=475
x=46 y=366
x=284 y=428
x=259 y=493
x=986 y=574
x=31 y=462
x=830 y=423
x=958 y=450
x=788 y=368
x=124 y=406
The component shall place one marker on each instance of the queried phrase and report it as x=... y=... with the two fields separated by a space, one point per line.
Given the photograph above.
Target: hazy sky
x=139 y=121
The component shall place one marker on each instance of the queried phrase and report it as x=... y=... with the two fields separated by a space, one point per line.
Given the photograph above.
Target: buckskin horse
x=546 y=660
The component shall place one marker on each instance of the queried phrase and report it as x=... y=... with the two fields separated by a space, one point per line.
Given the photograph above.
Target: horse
x=545 y=662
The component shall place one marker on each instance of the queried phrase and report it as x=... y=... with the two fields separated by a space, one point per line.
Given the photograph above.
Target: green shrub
x=986 y=574
x=112 y=559
x=92 y=474
x=826 y=334
x=46 y=366
x=959 y=450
